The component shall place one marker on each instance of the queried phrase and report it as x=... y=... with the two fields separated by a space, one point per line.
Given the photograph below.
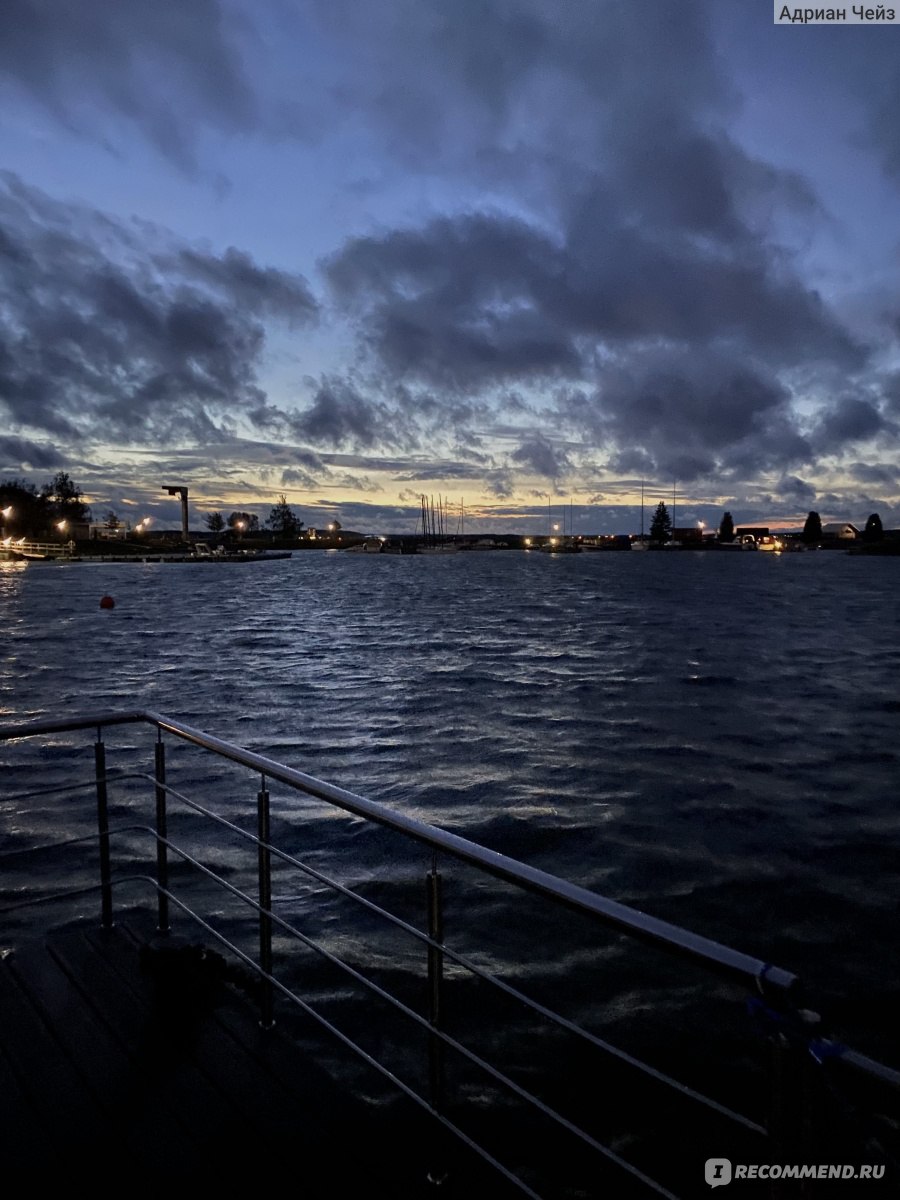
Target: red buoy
x=107 y=602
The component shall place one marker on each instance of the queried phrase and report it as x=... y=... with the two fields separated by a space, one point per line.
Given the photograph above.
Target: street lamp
x=240 y=526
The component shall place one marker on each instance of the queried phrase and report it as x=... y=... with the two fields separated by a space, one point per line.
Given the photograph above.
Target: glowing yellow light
x=528 y=541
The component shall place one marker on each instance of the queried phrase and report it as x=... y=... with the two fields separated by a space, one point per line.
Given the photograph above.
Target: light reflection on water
x=711 y=738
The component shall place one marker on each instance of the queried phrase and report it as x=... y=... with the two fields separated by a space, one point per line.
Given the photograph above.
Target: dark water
x=711 y=738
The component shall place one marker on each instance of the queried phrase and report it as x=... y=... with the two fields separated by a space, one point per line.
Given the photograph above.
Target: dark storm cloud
x=540 y=456
x=500 y=484
x=876 y=473
x=263 y=290
x=690 y=416
x=494 y=87
x=455 y=303
x=161 y=67
x=890 y=389
x=97 y=340
x=648 y=234
x=849 y=420
x=789 y=487
x=341 y=416
x=440 y=469
x=296 y=477
x=16 y=451
x=483 y=298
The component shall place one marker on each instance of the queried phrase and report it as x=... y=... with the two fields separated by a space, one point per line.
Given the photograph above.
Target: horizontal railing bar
x=408 y=1091
x=668 y=937
x=71 y=724
x=68 y=894
x=73 y=787
x=469 y=965
x=348 y=1042
x=416 y=1018
x=88 y=837
x=632 y=921
x=714 y=955
x=869 y=1066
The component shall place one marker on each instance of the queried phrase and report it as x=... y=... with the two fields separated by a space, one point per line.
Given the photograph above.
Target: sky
x=515 y=253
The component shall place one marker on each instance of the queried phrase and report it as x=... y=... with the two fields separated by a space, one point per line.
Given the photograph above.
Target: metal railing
x=24 y=547
x=796 y=1048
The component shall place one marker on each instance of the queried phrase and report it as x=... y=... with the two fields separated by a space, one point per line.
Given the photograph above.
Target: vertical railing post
x=266 y=1017
x=791 y=1120
x=437 y=1173
x=106 y=919
x=162 y=832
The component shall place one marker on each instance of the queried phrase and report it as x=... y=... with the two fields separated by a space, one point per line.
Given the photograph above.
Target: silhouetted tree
x=726 y=529
x=111 y=520
x=215 y=522
x=812 y=530
x=873 y=531
x=250 y=521
x=282 y=520
x=30 y=515
x=661 y=525
x=66 y=500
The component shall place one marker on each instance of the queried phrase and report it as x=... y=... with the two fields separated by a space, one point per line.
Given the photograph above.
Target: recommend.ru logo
x=718 y=1171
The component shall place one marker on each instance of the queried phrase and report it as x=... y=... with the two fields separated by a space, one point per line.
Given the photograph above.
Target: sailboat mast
x=642 y=510
x=674 y=486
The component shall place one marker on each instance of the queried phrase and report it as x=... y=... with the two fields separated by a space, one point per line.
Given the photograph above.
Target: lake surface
x=711 y=738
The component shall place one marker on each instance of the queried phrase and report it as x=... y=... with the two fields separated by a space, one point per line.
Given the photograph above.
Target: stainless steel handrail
x=721 y=959
x=779 y=987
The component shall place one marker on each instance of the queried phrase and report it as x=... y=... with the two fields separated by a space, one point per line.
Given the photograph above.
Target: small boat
x=370 y=545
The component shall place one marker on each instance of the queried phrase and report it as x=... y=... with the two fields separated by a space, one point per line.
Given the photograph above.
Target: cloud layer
x=579 y=265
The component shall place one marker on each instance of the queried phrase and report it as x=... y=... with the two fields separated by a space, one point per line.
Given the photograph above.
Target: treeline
x=661 y=527
x=282 y=521
x=37 y=513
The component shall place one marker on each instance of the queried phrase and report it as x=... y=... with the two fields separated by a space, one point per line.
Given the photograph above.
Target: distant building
x=99 y=530
x=690 y=533
x=842 y=530
x=754 y=531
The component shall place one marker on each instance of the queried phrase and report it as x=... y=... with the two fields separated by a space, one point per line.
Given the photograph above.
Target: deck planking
x=97 y=1075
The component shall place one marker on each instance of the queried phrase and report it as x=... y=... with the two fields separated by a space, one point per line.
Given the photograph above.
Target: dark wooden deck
x=98 y=1074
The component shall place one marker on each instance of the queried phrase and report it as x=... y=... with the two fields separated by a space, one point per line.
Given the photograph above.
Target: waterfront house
x=841 y=530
